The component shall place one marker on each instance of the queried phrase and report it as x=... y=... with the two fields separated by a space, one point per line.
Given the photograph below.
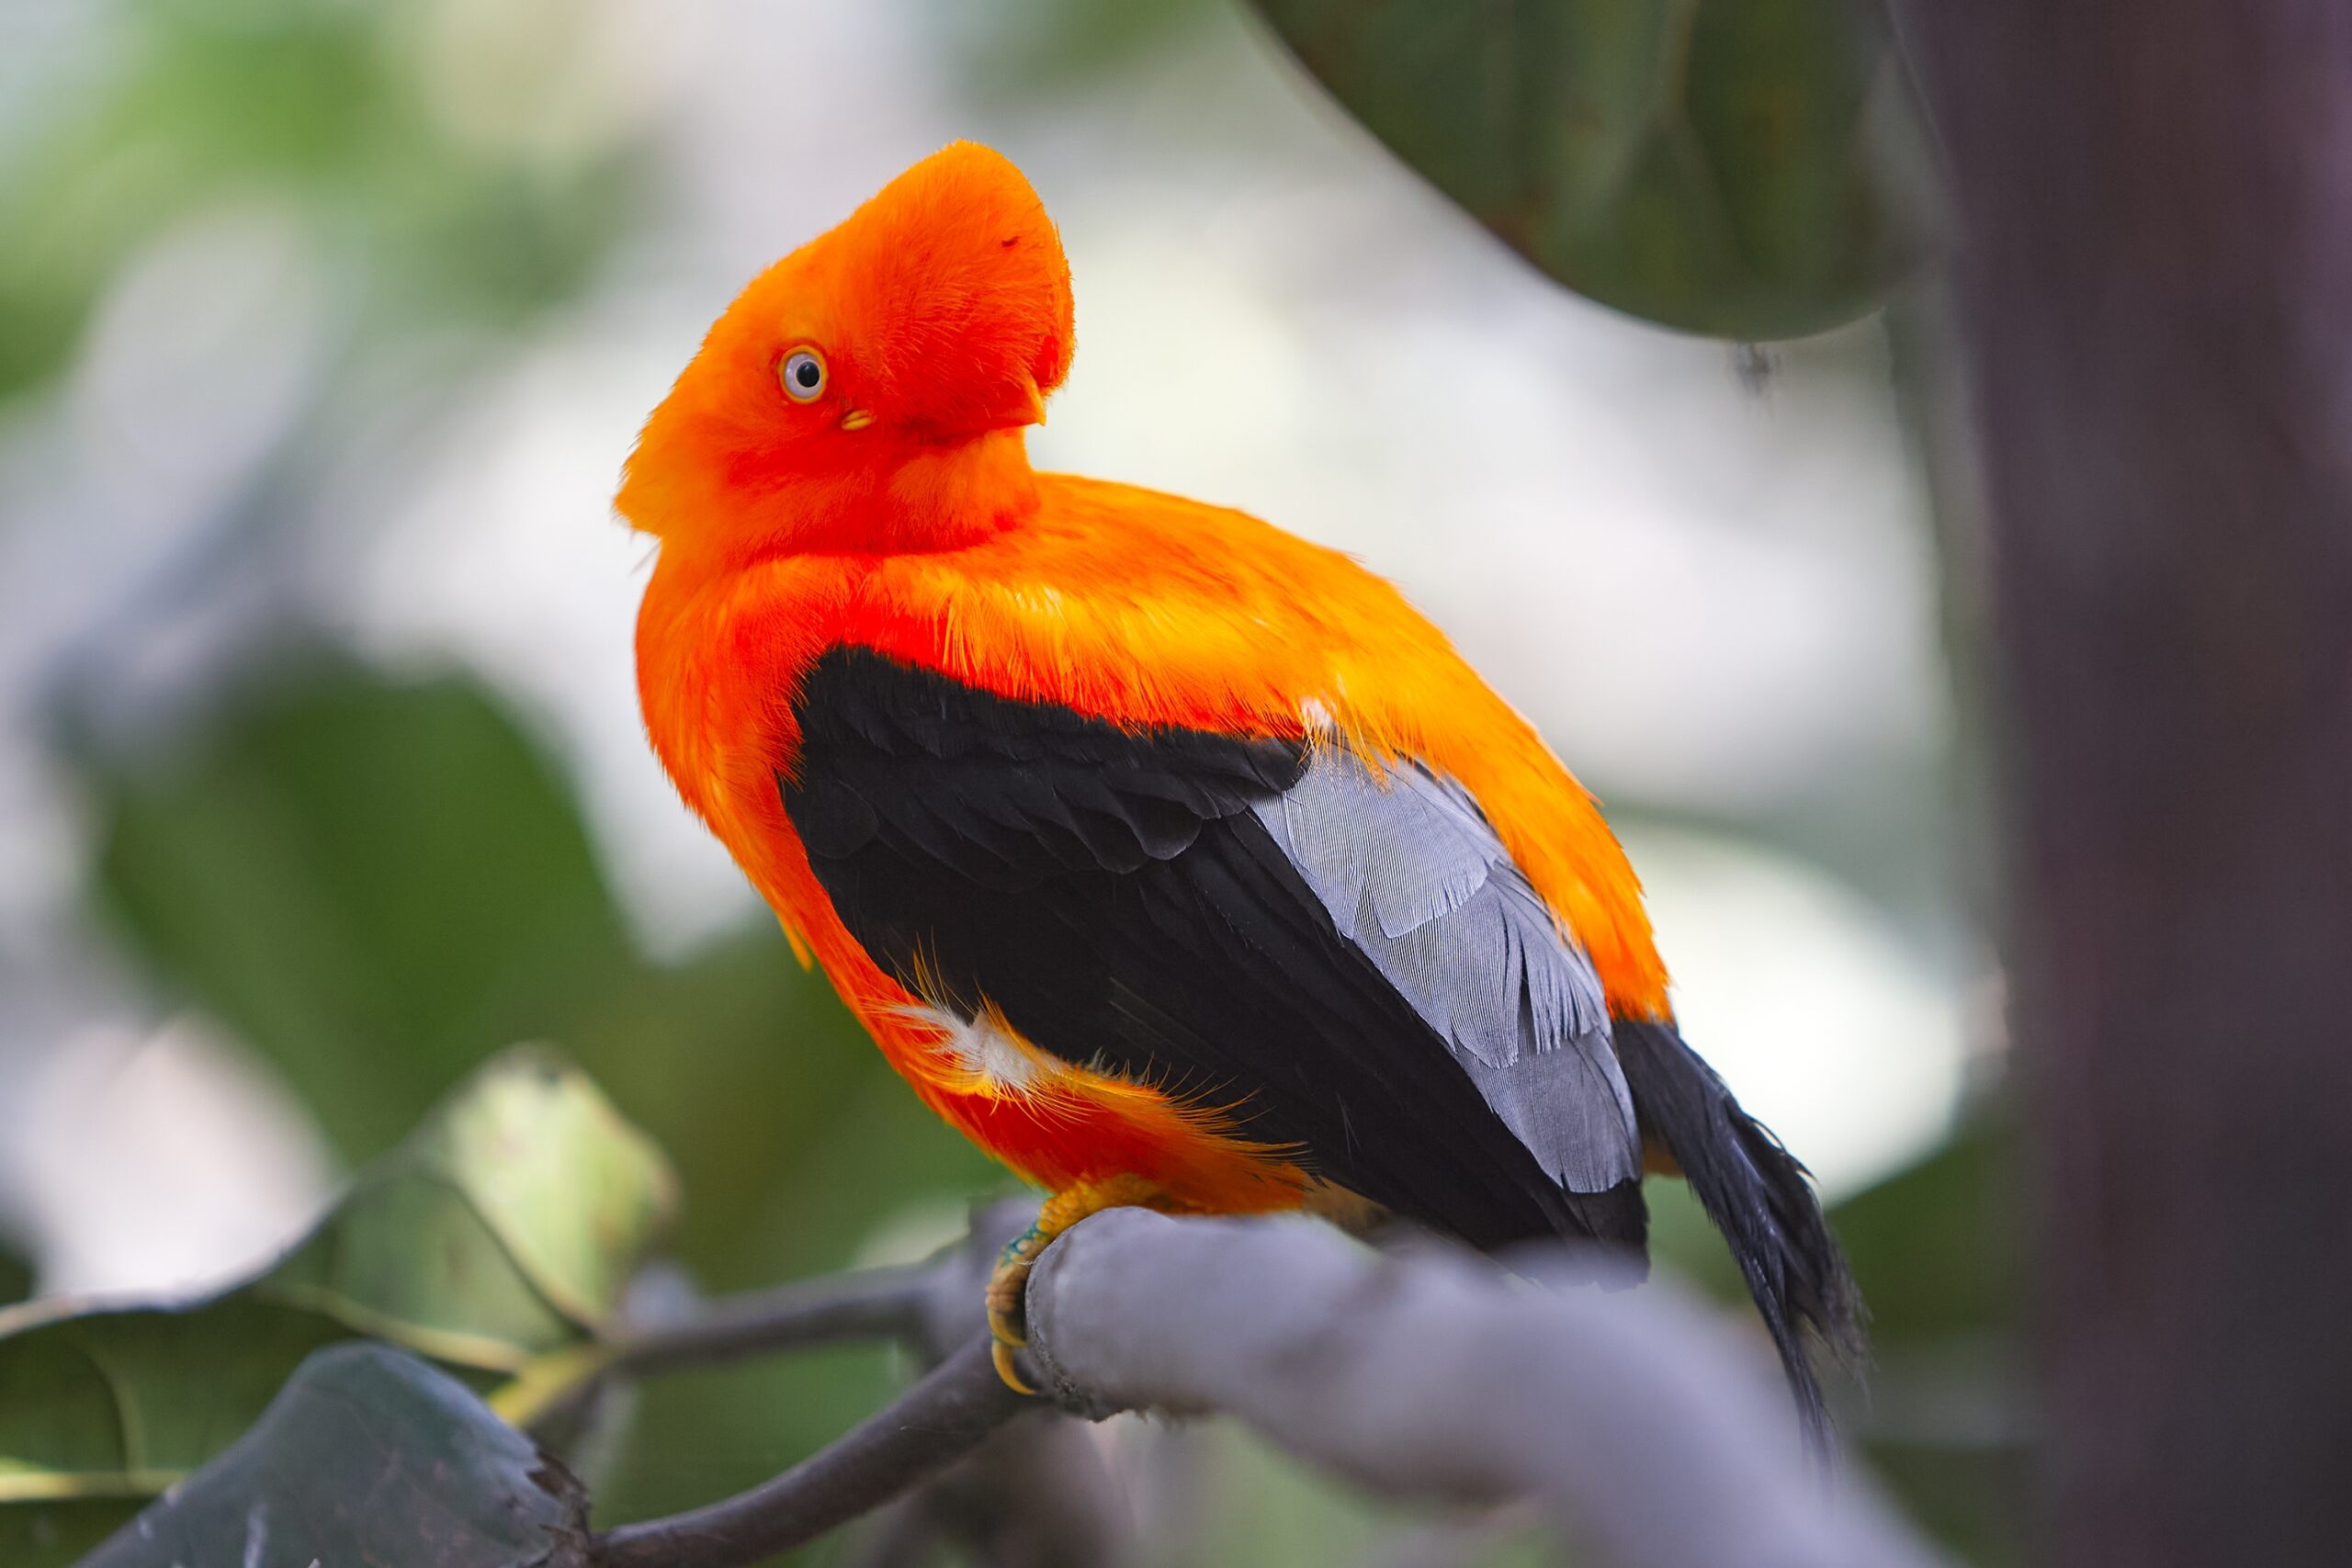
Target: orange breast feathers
x=1147 y=610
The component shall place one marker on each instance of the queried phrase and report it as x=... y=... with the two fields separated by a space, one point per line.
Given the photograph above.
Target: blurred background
x=324 y=327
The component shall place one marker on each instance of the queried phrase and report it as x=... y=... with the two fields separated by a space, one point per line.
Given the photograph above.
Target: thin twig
x=887 y=1304
x=944 y=1417
x=881 y=1303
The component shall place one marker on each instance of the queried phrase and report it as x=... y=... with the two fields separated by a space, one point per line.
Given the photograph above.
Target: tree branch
x=944 y=1415
x=1635 y=1418
x=881 y=1303
x=1638 y=1421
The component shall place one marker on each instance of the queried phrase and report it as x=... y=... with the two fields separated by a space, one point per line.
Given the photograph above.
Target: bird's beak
x=1023 y=404
x=1034 y=407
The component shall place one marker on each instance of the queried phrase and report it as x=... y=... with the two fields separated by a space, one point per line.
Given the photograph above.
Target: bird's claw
x=1001 y=1354
x=1008 y=1328
x=1008 y=1304
x=1008 y=1294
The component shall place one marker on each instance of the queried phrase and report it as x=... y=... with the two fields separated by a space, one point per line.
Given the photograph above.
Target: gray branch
x=1634 y=1417
x=944 y=1417
x=866 y=1304
x=1636 y=1420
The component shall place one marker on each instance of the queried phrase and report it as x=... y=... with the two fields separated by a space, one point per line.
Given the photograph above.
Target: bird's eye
x=803 y=375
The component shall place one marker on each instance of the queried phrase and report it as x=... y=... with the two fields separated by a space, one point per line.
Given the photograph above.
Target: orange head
x=884 y=369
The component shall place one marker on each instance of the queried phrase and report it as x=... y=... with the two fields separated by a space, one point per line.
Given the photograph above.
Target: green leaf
x=368 y=1456
x=248 y=873
x=101 y=1410
x=376 y=884
x=1744 y=168
x=501 y=1231
x=506 y=1228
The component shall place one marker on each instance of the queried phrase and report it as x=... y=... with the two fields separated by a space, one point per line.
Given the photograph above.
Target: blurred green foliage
x=321 y=101
x=504 y=1229
x=1742 y=168
x=369 y=1456
x=379 y=882
x=375 y=884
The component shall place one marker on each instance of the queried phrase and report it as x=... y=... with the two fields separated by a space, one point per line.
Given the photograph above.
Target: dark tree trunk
x=2153 y=285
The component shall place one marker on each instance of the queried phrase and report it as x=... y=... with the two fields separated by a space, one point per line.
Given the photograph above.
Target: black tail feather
x=1757 y=1195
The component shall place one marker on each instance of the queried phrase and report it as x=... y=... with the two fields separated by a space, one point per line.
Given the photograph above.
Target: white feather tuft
x=980 y=1046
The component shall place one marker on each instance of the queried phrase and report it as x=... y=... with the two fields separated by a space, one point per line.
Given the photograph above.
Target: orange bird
x=1173 y=860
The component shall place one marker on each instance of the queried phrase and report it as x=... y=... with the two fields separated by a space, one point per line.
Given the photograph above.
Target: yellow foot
x=1009 y=1286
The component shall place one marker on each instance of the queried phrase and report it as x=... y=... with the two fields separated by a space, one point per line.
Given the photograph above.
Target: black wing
x=1115 y=895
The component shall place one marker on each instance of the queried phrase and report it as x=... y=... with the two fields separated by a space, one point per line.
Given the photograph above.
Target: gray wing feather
x=1412 y=873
